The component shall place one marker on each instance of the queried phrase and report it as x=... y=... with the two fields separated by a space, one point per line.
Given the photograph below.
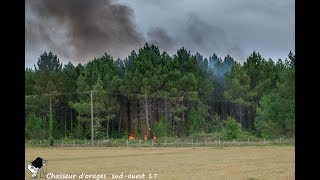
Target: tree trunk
x=108 y=129
x=240 y=108
x=71 y=124
x=182 y=124
x=173 y=119
x=128 y=115
x=183 y=114
x=79 y=126
x=165 y=109
x=139 y=115
x=65 y=123
x=119 y=128
x=157 y=110
x=146 y=113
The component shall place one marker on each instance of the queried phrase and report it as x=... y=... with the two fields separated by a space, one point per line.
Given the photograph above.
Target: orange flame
x=131 y=137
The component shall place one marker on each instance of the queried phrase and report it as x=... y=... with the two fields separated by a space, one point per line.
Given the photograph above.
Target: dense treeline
x=177 y=95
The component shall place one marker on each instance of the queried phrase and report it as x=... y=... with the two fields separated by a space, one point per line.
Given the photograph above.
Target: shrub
x=233 y=129
x=51 y=141
x=162 y=128
x=216 y=123
x=99 y=132
x=196 y=122
x=34 y=128
x=268 y=129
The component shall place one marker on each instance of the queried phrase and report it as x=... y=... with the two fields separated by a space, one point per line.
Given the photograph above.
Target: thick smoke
x=160 y=37
x=79 y=30
x=196 y=36
x=200 y=36
x=82 y=29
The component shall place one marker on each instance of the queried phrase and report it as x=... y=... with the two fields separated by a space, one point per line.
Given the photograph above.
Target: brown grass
x=249 y=162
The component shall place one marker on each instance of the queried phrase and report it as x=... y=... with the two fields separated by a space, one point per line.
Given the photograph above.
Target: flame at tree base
x=131 y=137
x=154 y=137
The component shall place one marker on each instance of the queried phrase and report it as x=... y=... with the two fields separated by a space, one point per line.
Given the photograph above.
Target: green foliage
x=275 y=116
x=48 y=62
x=29 y=81
x=99 y=132
x=215 y=123
x=183 y=88
x=267 y=128
x=209 y=136
x=50 y=125
x=196 y=122
x=276 y=111
x=268 y=90
x=34 y=128
x=51 y=129
x=162 y=128
x=232 y=129
x=79 y=131
x=248 y=136
x=51 y=141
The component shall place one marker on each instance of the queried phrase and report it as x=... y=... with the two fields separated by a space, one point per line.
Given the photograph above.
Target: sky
x=79 y=30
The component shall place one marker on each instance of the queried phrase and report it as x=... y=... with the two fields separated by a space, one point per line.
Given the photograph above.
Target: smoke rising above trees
x=79 y=30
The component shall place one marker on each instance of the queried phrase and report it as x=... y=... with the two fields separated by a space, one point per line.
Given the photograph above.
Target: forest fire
x=131 y=137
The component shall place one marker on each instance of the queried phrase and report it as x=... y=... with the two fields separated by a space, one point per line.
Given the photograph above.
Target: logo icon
x=36 y=166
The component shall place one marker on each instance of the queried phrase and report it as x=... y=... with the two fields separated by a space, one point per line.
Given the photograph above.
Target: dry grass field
x=248 y=162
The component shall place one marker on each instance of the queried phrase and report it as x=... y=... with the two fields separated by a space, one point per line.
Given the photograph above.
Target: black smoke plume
x=82 y=29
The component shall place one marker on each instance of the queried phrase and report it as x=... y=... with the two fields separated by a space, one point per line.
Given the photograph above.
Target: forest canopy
x=177 y=95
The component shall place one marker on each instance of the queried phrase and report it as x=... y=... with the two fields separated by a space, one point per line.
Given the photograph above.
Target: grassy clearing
x=247 y=162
